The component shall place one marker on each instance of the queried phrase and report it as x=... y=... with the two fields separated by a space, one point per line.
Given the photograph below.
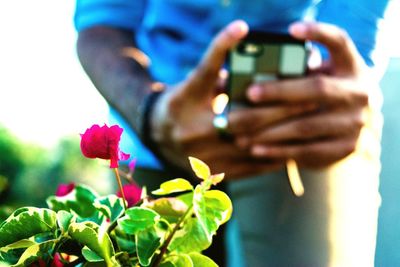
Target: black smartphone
x=262 y=57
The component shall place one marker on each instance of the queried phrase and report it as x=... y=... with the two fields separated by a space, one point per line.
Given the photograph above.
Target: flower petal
x=132 y=193
x=103 y=142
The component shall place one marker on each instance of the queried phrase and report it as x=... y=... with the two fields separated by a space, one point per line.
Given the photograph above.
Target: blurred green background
x=29 y=173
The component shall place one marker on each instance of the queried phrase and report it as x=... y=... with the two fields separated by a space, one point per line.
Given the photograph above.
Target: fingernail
x=254 y=93
x=259 y=150
x=238 y=28
x=298 y=30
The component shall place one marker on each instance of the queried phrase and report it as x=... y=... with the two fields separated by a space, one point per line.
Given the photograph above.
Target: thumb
x=343 y=53
x=206 y=73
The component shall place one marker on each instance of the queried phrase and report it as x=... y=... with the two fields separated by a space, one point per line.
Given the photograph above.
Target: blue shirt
x=175 y=33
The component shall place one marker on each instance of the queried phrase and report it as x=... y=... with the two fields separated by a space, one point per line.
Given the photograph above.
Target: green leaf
x=213 y=208
x=200 y=260
x=123 y=259
x=25 y=223
x=173 y=186
x=178 y=260
x=94 y=264
x=35 y=251
x=186 y=198
x=191 y=237
x=64 y=219
x=97 y=218
x=125 y=243
x=11 y=256
x=167 y=264
x=24 y=243
x=200 y=168
x=86 y=233
x=43 y=237
x=90 y=255
x=170 y=209
x=217 y=178
x=111 y=206
x=138 y=219
x=80 y=200
x=147 y=243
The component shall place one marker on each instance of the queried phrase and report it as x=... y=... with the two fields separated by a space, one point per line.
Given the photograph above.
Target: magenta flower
x=103 y=142
x=132 y=194
x=132 y=165
x=64 y=189
x=57 y=261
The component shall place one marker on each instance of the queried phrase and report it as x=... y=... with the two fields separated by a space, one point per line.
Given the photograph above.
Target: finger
x=253 y=119
x=235 y=163
x=208 y=70
x=313 y=127
x=244 y=169
x=322 y=89
x=343 y=52
x=313 y=155
x=235 y=170
x=222 y=80
x=314 y=60
x=324 y=68
x=215 y=147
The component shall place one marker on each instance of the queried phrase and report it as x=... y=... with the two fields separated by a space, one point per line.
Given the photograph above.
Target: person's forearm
x=123 y=82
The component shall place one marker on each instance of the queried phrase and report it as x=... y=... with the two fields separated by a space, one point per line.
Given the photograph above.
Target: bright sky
x=44 y=93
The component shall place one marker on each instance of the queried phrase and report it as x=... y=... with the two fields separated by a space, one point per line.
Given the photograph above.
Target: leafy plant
x=82 y=228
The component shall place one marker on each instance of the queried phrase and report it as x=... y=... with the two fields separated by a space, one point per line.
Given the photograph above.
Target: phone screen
x=263 y=57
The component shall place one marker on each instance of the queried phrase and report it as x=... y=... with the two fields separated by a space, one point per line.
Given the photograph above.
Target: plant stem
x=164 y=247
x=113 y=225
x=120 y=186
x=126 y=176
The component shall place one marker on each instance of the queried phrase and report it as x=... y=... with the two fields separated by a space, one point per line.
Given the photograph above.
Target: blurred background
x=46 y=100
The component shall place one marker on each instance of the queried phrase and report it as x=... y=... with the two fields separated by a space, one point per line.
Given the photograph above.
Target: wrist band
x=147 y=110
x=145 y=135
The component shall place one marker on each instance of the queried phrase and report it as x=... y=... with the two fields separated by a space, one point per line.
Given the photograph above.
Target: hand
x=329 y=133
x=182 y=119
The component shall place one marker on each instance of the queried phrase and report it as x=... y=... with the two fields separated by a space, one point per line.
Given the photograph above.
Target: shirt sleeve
x=119 y=13
x=361 y=20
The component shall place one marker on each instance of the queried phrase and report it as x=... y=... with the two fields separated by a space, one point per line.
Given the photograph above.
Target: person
x=158 y=64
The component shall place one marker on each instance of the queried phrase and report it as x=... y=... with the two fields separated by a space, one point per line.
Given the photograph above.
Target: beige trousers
x=333 y=224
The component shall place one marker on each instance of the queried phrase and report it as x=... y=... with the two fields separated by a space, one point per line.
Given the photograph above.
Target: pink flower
x=64 y=189
x=57 y=261
x=132 y=194
x=132 y=165
x=103 y=142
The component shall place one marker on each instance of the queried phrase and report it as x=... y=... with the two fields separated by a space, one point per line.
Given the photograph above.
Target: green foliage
x=97 y=230
x=11 y=162
x=26 y=168
x=138 y=219
x=87 y=234
x=81 y=201
x=10 y=157
x=25 y=223
x=174 y=186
